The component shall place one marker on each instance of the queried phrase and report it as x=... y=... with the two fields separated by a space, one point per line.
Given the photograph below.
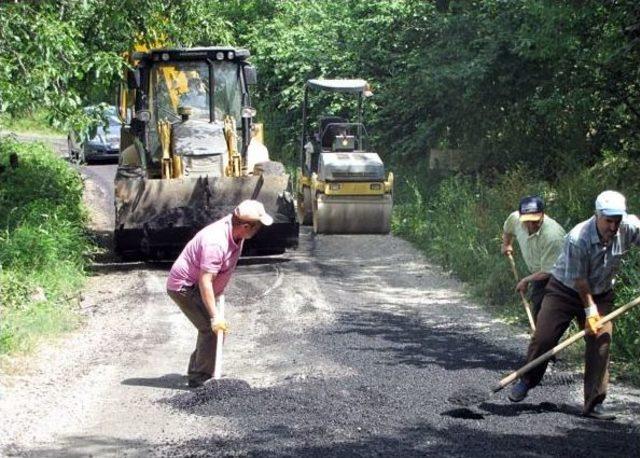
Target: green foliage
x=42 y=243
x=61 y=56
x=41 y=187
x=548 y=84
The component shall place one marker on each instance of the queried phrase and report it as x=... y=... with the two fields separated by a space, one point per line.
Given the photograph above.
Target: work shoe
x=198 y=381
x=599 y=413
x=519 y=391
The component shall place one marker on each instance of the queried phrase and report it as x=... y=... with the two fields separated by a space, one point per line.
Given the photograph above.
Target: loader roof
x=209 y=52
x=338 y=85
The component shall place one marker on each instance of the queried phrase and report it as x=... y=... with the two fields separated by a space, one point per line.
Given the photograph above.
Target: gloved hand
x=219 y=325
x=592 y=317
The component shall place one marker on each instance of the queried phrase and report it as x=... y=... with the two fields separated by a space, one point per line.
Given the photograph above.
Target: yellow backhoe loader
x=189 y=153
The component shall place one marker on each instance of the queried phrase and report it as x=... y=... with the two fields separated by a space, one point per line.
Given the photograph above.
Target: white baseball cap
x=611 y=203
x=252 y=210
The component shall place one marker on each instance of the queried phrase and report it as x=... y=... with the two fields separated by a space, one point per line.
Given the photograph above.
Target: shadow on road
x=286 y=439
x=169 y=381
x=323 y=417
x=262 y=260
x=408 y=340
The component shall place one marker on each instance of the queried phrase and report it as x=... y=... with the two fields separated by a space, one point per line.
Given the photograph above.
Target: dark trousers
x=537 y=294
x=202 y=361
x=559 y=306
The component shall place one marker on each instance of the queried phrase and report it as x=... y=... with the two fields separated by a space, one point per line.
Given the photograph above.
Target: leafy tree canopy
x=549 y=84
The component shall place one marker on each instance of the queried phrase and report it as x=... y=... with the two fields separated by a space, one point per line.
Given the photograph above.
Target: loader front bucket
x=157 y=217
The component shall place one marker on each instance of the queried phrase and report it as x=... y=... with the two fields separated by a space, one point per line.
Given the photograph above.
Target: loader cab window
x=179 y=84
x=184 y=83
x=227 y=92
x=187 y=84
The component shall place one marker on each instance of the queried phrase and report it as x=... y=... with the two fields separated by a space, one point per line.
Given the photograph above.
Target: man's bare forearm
x=582 y=286
x=205 y=285
x=507 y=246
x=537 y=276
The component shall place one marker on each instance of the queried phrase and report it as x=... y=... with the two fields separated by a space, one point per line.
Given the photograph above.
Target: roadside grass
x=43 y=245
x=457 y=222
x=34 y=123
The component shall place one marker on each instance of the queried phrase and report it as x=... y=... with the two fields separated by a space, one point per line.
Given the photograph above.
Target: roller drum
x=352 y=214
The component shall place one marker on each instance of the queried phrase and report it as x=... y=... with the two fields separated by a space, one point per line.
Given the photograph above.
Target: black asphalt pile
x=468 y=396
x=211 y=392
x=393 y=402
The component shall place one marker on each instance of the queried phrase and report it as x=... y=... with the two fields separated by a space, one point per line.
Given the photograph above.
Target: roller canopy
x=354 y=86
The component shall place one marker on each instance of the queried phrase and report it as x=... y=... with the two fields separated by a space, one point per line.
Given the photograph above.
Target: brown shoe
x=598 y=412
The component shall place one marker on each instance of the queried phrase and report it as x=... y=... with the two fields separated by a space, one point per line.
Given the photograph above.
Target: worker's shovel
x=217 y=368
x=527 y=307
x=562 y=345
x=473 y=397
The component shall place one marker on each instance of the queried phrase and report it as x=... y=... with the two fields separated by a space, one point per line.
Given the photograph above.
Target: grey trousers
x=202 y=361
x=559 y=307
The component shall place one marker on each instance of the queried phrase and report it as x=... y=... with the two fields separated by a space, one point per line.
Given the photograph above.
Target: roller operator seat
x=329 y=132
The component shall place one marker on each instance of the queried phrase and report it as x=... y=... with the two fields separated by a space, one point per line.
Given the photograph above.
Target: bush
x=42 y=244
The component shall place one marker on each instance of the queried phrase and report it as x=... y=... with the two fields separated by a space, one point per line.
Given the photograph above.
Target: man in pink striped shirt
x=201 y=273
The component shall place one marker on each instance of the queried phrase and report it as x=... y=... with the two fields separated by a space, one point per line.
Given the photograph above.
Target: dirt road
x=351 y=345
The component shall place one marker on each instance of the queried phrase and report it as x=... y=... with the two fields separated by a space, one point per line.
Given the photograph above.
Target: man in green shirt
x=540 y=239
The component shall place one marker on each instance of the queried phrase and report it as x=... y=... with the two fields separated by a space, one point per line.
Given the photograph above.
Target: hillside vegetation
x=42 y=244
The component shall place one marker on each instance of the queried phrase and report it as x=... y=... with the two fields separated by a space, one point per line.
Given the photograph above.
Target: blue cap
x=531 y=208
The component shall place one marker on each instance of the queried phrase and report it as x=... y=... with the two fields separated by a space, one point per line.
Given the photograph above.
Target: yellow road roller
x=342 y=187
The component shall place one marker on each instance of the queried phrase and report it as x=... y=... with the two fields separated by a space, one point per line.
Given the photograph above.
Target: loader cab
x=190 y=142
x=207 y=83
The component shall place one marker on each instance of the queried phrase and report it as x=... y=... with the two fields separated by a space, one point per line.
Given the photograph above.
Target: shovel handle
x=527 y=307
x=217 y=368
x=512 y=263
x=565 y=343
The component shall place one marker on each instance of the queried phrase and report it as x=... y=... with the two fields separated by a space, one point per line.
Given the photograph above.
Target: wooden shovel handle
x=217 y=369
x=526 y=304
x=565 y=343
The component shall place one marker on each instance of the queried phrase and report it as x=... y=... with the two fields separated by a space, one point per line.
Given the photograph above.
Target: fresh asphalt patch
x=390 y=405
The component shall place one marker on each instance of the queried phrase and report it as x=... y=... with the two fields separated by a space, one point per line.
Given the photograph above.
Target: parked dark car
x=103 y=146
